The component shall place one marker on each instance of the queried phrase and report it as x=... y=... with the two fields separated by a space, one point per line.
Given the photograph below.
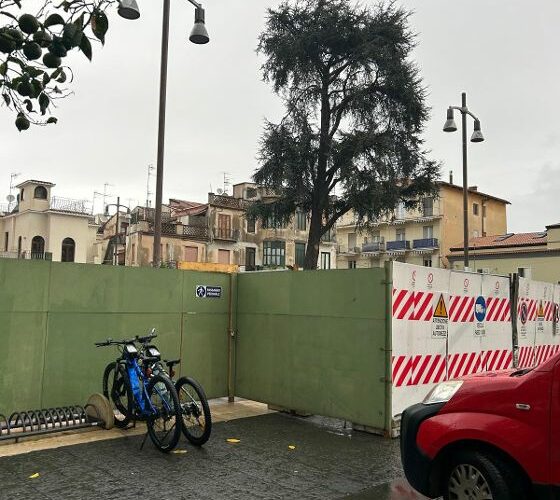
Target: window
x=351 y=264
x=40 y=193
x=376 y=237
x=428 y=207
x=475 y=208
x=21 y=195
x=190 y=254
x=427 y=262
x=133 y=253
x=274 y=253
x=325 y=260
x=224 y=226
x=6 y=241
x=250 y=259
x=271 y=222
x=19 y=246
x=351 y=241
x=251 y=225
x=300 y=254
x=223 y=256
x=301 y=220
x=400 y=235
x=37 y=247
x=68 y=250
x=428 y=232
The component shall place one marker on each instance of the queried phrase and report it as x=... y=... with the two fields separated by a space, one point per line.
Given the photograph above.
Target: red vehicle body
x=499 y=432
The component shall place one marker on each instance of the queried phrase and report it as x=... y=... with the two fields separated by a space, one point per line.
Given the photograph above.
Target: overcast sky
x=503 y=53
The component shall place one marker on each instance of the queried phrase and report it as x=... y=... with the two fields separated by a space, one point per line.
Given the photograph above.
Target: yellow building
x=421 y=236
x=534 y=255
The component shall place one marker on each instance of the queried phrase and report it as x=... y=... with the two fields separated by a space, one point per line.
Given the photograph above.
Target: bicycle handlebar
x=109 y=342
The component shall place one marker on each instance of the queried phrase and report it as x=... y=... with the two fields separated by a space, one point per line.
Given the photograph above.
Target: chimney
x=473 y=188
x=451 y=177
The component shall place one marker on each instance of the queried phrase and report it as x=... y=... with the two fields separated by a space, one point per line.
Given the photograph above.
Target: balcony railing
x=374 y=246
x=426 y=243
x=220 y=200
x=26 y=255
x=221 y=233
x=72 y=206
x=148 y=215
x=196 y=232
x=398 y=245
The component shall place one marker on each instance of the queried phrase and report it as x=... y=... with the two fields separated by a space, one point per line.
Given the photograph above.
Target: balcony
x=226 y=234
x=219 y=200
x=148 y=215
x=425 y=243
x=196 y=232
x=70 y=206
x=373 y=247
x=26 y=255
x=400 y=245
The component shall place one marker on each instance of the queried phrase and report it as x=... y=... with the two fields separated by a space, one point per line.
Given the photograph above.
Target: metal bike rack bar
x=23 y=424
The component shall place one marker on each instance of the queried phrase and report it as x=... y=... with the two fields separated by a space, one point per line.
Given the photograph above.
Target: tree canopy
x=355 y=107
x=33 y=46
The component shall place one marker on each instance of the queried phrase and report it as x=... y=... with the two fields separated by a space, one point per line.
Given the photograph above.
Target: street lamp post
x=199 y=35
x=477 y=136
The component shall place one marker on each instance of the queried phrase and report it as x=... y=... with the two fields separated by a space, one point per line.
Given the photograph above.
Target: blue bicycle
x=138 y=396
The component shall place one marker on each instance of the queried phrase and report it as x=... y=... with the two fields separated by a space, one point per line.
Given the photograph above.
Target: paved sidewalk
x=327 y=461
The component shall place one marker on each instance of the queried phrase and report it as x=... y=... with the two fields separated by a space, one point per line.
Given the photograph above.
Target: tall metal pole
x=117 y=232
x=465 y=184
x=161 y=133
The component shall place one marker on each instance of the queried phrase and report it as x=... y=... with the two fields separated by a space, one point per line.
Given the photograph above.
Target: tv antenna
x=148 y=192
x=11 y=197
x=227 y=183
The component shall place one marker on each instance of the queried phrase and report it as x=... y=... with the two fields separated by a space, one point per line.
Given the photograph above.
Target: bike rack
x=28 y=423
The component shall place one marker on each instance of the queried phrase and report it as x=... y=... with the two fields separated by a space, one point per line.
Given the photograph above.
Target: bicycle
x=196 y=422
x=136 y=395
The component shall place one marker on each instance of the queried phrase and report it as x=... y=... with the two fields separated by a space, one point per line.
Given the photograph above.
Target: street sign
x=208 y=292
x=480 y=315
x=440 y=319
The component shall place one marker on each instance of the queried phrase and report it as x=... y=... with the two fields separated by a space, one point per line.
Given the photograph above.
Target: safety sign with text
x=440 y=319
x=208 y=292
x=480 y=316
x=540 y=318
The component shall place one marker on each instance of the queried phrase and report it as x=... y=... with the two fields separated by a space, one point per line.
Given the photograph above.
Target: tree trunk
x=313 y=240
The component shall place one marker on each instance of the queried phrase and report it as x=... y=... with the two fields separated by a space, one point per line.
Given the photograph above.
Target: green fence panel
x=22 y=340
x=319 y=348
x=204 y=349
x=22 y=285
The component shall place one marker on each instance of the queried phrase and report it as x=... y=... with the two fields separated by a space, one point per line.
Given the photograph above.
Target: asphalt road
x=327 y=462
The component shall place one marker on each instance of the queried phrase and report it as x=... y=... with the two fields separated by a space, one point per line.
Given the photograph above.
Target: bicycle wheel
x=164 y=425
x=197 y=420
x=116 y=388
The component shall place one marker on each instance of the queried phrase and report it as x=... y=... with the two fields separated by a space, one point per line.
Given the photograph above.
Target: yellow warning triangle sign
x=540 y=312
x=441 y=310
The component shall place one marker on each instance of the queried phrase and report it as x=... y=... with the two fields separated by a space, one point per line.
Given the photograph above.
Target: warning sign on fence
x=540 y=318
x=440 y=319
x=480 y=316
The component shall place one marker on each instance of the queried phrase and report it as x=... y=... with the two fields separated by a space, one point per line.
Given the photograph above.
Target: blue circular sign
x=480 y=309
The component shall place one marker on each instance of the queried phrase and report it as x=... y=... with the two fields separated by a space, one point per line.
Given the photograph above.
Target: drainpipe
x=388 y=348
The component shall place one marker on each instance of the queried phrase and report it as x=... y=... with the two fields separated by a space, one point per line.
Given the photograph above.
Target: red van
x=493 y=435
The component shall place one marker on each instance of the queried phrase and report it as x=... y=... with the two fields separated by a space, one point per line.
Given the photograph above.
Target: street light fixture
x=477 y=136
x=199 y=35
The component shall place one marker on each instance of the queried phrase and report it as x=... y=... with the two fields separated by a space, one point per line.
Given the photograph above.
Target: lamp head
x=477 y=134
x=199 y=34
x=450 y=125
x=128 y=9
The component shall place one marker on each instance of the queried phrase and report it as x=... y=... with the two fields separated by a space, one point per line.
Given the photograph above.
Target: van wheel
x=480 y=476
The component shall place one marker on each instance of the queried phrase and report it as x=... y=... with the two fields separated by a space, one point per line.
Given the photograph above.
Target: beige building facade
x=42 y=226
x=423 y=235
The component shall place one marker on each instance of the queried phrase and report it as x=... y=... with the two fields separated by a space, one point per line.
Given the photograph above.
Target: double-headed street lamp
x=129 y=10
x=477 y=136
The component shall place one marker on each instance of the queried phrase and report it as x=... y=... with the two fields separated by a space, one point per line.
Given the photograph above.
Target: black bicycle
x=196 y=417
x=136 y=395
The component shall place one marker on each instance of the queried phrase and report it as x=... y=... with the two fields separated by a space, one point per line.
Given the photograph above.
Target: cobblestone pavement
x=327 y=462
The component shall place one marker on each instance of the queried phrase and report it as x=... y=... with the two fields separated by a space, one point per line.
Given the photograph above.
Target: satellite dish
x=10 y=198
x=220 y=191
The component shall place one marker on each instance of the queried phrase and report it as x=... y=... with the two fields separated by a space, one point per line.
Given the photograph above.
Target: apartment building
x=421 y=236
x=42 y=226
x=535 y=255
